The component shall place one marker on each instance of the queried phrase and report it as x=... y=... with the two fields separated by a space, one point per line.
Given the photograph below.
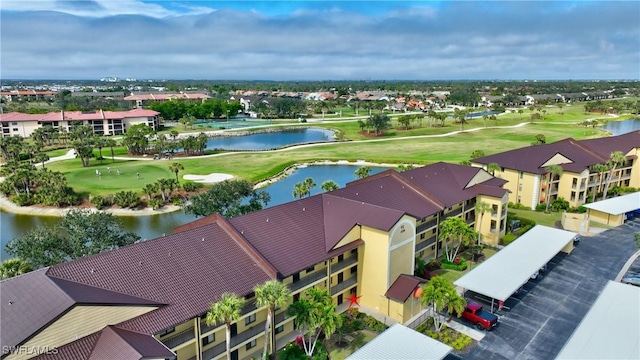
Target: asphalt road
x=545 y=315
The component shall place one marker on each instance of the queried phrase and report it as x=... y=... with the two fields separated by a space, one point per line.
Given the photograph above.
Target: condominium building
x=150 y=299
x=527 y=175
x=102 y=122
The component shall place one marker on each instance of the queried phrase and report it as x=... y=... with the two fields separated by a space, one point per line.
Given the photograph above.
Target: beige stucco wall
x=604 y=218
x=575 y=222
x=79 y=322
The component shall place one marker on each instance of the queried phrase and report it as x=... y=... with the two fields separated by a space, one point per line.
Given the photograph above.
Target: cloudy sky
x=319 y=40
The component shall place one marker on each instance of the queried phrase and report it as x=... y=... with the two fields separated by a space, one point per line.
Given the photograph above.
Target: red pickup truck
x=483 y=320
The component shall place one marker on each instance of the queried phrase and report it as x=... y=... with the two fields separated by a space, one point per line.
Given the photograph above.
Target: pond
x=622 y=127
x=271 y=140
x=149 y=227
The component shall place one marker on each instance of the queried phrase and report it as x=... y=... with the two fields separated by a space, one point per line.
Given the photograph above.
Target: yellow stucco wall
x=604 y=218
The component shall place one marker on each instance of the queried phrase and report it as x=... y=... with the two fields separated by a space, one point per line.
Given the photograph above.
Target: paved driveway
x=546 y=314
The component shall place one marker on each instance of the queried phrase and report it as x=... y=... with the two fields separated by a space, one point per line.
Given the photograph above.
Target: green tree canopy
x=14 y=267
x=79 y=233
x=440 y=294
x=228 y=198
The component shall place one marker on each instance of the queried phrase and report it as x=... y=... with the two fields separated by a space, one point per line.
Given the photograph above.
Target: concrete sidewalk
x=463 y=329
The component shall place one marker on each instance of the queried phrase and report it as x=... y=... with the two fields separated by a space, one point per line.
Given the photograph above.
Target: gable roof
x=34 y=300
x=452 y=183
x=583 y=154
x=403 y=287
x=320 y=222
x=184 y=271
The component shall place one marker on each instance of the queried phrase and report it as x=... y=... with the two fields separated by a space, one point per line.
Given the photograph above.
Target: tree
x=404 y=120
x=404 y=167
x=136 y=139
x=379 y=122
x=176 y=167
x=481 y=207
x=552 y=171
x=272 y=294
x=329 y=185
x=83 y=143
x=362 y=172
x=111 y=144
x=299 y=190
x=600 y=169
x=616 y=159
x=492 y=168
x=477 y=154
x=227 y=310
x=315 y=313
x=14 y=267
x=439 y=294
x=228 y=198
x=455 y=229
x=79 y=233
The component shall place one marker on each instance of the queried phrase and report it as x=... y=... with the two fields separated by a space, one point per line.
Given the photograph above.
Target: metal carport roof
x=401 y=342
x=617 y=205
x=510 y=268
x=611 y=328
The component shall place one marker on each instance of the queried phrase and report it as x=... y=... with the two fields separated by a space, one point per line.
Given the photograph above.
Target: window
x=434 y=230
x=433 y=247
x=250 y=344
x=521 y=174
x=209 y=339
x=354 y=251
x=519 y=199
x=340 y=257
x=519 y=187
x=354 y=270
x=422 y=236
x=310 y=269
x=14 y=123
x=249 y=319
x=279 y=329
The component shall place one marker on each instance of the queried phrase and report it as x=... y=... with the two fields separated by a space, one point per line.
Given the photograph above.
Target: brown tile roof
x=449 y=183
x=403 y=287
x=186 y=271
x=319 y=222
x=390 y=189
x=583 y=154
x=111 y=343
x=36 y=299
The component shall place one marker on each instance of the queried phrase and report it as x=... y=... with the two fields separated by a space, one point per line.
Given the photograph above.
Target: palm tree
x=176 y=167
x=272 y=294
x=299 y=190
x=617 y=158
x=492 y=167
x=226 y=310
x=362 y=172
x=552 y=171
x=455 y=228
x=600 y=169
x=14 y=267
x=439 y=294
x=329 y=185
x=309 y=184
x=111 y=143
x=481 y=207
x=315 y=313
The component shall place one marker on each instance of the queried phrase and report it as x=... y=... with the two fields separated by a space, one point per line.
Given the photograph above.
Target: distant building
x=102 y=122
x=27 y=95
x=141 y=100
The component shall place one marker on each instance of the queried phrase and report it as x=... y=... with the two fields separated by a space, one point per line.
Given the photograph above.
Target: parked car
x=483 y=320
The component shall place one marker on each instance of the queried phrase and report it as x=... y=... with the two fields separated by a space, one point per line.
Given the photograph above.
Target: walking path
x=626 y=266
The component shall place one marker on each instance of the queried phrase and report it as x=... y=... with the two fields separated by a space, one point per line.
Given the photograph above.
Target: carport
x=610 y=329
x=505 y=272
x=613 y=211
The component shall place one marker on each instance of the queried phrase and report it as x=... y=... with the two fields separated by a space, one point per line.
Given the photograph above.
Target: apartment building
x=102 y=122
x=525 y=169
x=149 y=299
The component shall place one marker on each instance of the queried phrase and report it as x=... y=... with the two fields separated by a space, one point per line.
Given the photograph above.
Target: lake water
x=270 y=140
x=149 y=227
x=622 y=127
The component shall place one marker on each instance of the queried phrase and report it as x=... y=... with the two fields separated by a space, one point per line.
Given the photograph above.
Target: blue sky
x=319 y=40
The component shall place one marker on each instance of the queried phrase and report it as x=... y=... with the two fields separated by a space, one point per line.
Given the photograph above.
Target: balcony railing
x=344 y=285
x=343 y=264
x=248 y=307
x=453 y=212
x=307 y=280
x=424 y=244
x=427 y=225
x=179 y=338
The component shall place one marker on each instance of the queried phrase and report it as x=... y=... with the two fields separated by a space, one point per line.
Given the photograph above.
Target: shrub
x=155 y=203
x=434 y=265
x=126 y=199
x=99 y=202
x=559 y=204
x=507 y=239
x=191 y=186
x=462 y=264
x=23 y=200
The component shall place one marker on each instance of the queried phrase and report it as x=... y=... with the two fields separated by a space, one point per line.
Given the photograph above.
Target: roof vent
x=93 y=271
x=139 y=262
x=303 y=209
x=267 y=219
x=202 y=239
x=10 y=302
x=242 y=232
x=356 y=194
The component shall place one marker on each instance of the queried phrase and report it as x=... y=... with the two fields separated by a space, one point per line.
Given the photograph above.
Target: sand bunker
x=209 y=179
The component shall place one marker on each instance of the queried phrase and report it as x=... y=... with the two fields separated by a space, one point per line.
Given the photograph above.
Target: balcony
x=343 y=264
x=179 y=338
x=248 y=307
x=308 y=280
x=424 y=244
x=427 y=225
x=350 y=282
x=453 y=212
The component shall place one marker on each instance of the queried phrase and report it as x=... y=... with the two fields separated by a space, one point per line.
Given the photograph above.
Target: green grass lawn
x=453 y=275
x=360 y=338
x=85 y=180
x=539 y=217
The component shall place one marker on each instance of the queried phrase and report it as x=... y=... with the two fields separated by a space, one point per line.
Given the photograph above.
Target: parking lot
x=543 y=316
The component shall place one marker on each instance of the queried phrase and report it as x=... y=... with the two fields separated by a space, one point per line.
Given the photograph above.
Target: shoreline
x=10 y=207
